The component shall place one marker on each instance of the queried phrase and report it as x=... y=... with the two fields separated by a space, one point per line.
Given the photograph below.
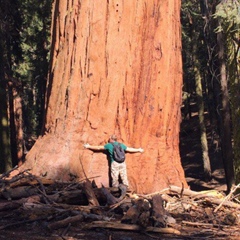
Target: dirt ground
x=191 y=160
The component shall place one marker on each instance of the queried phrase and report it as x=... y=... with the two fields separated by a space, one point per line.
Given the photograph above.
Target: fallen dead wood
x=159 y=213
x=16 y=223
x=194 y=194
x=199 y=224
x=66 y=222
x=111 y=200
x=4 y=179
x=6 y=174
x=10 y=205
x=138 y=213
x=66 y=205
x=87 y=188
x=86 y=209
x=19 y=192
x=227 y=198
x=130 y=227
x=223 y=203
x=78 y=218
x=211 y=196
x=29 y=181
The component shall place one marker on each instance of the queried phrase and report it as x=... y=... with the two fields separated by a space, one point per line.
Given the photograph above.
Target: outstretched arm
x=88 y=146
x=134 y=150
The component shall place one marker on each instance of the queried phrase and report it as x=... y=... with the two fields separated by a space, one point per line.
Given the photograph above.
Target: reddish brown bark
x=15 y=118
x=116 y=68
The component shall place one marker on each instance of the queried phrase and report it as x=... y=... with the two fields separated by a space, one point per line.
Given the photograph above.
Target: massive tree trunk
x=115 y=68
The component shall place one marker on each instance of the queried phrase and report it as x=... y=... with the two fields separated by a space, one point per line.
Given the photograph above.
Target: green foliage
x=228 y=15
x=24 y=55
x=192 y=30
x=33 y=68
x=228 y=11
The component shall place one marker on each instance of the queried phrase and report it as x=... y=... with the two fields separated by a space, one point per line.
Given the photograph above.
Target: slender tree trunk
x=200 y=102
x=226 y=135
x=115 y=68
x=5 y=151
x=234 y=76
x=16 y=127
x=213 y=87
x=235 y=100
x=12 y=125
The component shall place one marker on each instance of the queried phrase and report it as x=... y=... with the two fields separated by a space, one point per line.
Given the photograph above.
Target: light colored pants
x=116 y=170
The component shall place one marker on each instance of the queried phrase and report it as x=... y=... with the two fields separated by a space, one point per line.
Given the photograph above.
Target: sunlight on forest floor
x=191 y=157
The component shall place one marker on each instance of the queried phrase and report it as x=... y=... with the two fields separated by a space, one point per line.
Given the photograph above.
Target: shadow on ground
x=191 y=157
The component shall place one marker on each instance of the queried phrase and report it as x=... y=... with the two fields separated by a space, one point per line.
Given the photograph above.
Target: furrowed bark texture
x=116 y=68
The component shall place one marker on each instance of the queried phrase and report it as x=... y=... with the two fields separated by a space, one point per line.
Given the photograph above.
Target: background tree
x=115 y=68
x=228 y=16
x=33 y=69
x=25 y=28
x=195 y=74
x=10 y=53
x=5 y=157
x=219 y=67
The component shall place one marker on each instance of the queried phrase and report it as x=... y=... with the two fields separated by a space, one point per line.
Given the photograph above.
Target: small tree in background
x=25 y=34
x=228 y=15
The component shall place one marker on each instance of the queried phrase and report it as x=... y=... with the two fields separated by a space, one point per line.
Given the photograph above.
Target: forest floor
x=190 y=150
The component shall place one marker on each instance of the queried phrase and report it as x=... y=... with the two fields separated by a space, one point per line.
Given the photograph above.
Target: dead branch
x=7 y=206
x=65 y=222
x=111 y=200
x=90 y=193
x=211 y=196
x=21 y=222
x=128 y=227
x=6 y=174
x=78 y=218
x=227 y=198
x=19 y=192
x=199 y=224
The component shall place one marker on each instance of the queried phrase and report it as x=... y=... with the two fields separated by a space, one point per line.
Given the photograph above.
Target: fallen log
x=228 y=197
x=190 y=193
x=111 y=200
x=21 y=222
x=211 y=196
x=223 y=203
x=138 y=213
x=77 y=218
x=6 y=206
x=87 y=188
x=19 y=192
x=65 y=222
x=130 y=227
x=29 y=181
x=75 y=197
x=86 y=209
x=158 y=212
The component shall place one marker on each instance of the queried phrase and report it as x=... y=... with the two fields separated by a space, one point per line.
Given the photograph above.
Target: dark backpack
x=118 y=153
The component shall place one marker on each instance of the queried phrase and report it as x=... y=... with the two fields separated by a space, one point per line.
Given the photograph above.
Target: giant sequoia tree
x=115 y=68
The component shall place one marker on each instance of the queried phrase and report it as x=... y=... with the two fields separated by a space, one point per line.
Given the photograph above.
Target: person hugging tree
x=116 y=152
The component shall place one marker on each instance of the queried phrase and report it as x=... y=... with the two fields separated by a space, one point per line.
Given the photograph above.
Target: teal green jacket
x=109 y=148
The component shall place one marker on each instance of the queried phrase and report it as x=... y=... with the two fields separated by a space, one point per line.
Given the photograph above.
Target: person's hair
x=113 y=137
